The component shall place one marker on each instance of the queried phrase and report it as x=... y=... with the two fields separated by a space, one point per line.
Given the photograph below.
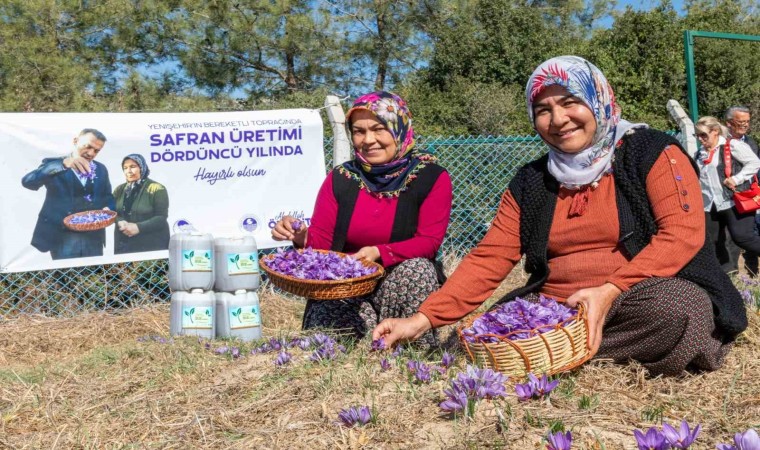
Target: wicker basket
x=563 y=348
x=324 y=289
x=92 y=226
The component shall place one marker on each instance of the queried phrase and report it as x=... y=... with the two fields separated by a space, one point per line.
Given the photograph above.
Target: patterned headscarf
x=144 y=171
x=391 y=178
x=586 y=82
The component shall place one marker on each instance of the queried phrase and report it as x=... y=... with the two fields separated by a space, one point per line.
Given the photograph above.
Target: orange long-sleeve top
x=583 y=251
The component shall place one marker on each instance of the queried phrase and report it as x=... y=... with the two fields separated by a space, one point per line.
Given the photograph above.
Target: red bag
x=745 y=201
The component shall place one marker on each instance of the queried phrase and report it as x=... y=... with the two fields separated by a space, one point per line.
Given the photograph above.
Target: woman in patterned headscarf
x=143 y=208
x=390 y=204
x=610 y=218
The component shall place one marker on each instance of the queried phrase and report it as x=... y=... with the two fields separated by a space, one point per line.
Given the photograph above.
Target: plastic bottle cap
x=196 y=291
x=240 y=292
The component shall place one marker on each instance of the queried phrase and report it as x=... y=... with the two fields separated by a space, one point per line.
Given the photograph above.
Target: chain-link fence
x=480 y=168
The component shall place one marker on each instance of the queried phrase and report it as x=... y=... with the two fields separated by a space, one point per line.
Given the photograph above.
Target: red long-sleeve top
x=372 y=222
x=583 y=251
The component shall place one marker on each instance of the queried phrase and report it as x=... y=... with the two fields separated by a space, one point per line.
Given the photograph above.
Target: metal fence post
x=337 y=117
x=688 y=140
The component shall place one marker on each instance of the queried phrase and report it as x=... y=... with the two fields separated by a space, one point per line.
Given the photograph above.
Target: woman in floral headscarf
x=610 y=218
x=390 y=204
x=143 y=208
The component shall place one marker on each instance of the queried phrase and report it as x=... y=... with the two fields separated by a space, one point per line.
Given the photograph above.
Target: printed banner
x=66 y=175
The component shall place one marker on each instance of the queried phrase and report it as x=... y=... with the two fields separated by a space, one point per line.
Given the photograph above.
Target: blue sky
x=641 y=5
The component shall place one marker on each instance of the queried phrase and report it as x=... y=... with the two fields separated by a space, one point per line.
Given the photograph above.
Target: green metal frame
x=688 y=47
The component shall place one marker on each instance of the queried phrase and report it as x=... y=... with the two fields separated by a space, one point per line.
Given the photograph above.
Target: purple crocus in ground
x=385 y=365
x=447 y=360
x=476 y=384
x=423 y=373
x=235 y=352
x=282 y=358
x=378 y=345
x=652 y=440
x=524 y=392
x=541 y=386
x=355 y=415
x=535 y=387
x=749 y=440
x=222 y=350
x=683 y=437
x=456 y=400
x=397 y=351
x=559 y=441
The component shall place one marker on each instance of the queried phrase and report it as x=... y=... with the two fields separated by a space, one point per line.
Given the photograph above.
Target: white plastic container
x=191 y=261
x=193 y=314
x=238 y=315
x=236 y=262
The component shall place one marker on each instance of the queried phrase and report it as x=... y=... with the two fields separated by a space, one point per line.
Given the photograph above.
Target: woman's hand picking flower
x=284 y=231
x=401 y=330
x=597 y=302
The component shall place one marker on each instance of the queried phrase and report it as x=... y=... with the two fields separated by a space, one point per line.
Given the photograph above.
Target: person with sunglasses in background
x=718 y=189
x=737 y=122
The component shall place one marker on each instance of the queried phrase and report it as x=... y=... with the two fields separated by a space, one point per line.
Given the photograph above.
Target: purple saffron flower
x=222 y=350
x=541 y=387
x=447 y=360
x=423 y=374
x=559 y=441
x=653 y=440
x=682 y=438
x=296 y=225
x=378 y=345
x=749 y=440
x=282 y=358
x=524 y=392
x=385 y=365
x=207 y=345
x=397 y=352
x=355 y=415
x=235 y=353
x=456 y=400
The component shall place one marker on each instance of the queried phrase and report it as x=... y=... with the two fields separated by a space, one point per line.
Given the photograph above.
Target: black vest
x=346 y=191
x=535 y=191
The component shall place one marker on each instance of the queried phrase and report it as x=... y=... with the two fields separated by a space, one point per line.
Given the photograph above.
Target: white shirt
x=713 y=191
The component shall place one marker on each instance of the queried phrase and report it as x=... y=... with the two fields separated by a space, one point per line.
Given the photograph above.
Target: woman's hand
x=730 y=183
x=128 y=228
x=401 y=330
x=597 y=301
x=369 y=254
x=283 y=231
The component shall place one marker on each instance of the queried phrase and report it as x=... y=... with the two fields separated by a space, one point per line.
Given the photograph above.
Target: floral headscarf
x=391 y=178
x=586 y=82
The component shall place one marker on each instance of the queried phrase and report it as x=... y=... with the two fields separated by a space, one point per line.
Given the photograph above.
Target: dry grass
x=86 y=382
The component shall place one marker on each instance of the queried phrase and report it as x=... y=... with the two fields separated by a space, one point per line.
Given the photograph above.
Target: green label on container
x=197 y=260
x=198 y=317
x=242 y=263
x=245 y=317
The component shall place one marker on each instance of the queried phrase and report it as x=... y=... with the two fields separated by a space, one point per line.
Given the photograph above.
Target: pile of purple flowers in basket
x=309 y=264
x=516 y=319
x=90 y=217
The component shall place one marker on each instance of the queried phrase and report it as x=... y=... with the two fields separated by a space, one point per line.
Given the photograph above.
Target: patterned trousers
x=667 y=325
x=399 y=294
